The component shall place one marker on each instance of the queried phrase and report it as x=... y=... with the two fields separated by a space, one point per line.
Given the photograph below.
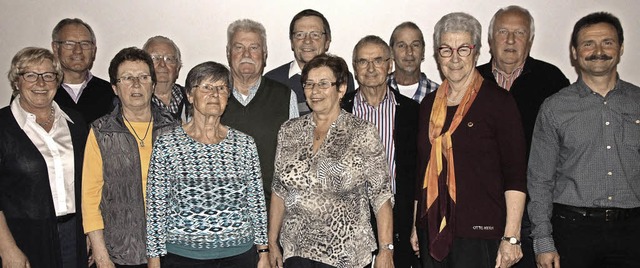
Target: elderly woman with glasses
x=41 y=150
x=117 y=160
x=205 y=203
x=471 y=154
x=330 y=167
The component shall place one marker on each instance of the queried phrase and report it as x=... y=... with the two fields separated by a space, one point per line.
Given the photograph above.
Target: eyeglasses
x=315 y=35
x=207 y=88
x=377 y=62
x=463 y=51
x=69 y=45
x=321 y=85
x=168 y=60
x=46 y=76
x=130 y=79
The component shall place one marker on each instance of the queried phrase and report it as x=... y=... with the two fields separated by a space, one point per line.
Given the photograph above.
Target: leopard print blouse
x=327 y=194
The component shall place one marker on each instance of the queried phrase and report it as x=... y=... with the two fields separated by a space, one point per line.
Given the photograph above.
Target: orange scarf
x=440 y=206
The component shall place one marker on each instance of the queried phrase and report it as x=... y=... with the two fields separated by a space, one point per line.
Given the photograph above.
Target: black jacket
x=404 y=138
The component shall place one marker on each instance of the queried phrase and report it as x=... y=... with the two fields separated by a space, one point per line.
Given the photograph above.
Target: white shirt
x=56 y=148
x=294 y=69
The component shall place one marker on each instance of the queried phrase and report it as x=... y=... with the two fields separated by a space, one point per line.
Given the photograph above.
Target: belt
x=65 y=218
x=604 y=214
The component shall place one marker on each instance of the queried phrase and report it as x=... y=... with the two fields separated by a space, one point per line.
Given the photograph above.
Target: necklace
x=49 y=119
x=134 y=130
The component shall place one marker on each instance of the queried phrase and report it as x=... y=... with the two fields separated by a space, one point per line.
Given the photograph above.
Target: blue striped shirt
x=383 y=117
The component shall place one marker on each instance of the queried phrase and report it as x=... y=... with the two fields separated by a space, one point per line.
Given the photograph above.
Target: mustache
x=247 y=60
x=598 y=57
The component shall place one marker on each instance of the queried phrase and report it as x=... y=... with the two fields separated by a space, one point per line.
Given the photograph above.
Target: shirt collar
x=252 y=90
x=294 y=69
x=584 y=89
x=389 y=98
x=516 y=72
x=21 y=115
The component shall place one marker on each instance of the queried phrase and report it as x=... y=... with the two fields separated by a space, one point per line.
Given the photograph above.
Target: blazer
x=405 y=132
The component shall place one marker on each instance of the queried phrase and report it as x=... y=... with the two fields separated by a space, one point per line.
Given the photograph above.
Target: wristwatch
x=512 y=240
x=387 y=246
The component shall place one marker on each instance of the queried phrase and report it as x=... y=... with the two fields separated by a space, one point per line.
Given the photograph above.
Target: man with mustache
x=74 y=45
x=584 y=166
x=530 y=81
x=407 y=51
x=167 y=62
x=257 y=105
x=310 y=35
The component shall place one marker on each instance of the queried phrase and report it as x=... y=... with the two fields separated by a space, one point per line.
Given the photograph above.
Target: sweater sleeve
x=512 y=145
x=157 y=206
x=92 y=182
x=256 y=202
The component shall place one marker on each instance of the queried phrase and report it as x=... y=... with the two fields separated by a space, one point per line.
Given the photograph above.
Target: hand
x=275 y=257
x=90 y=261
x=414 y=241
x=508 y=255
x=14 y=258
x=548 y=260
x=384 y=259
x=263 y=262
x=103 y=260
x=153 y=262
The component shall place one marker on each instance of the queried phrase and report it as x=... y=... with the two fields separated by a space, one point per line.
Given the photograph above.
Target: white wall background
x=199 y=26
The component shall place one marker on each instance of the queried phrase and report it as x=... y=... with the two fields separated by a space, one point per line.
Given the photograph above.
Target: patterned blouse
x=204 y=196
x=327 y=195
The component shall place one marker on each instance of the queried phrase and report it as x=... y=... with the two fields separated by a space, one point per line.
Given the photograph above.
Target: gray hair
x=28 y=56
x=56 y=30
x=371 y=39
x=246 y=25
x=204 y=71
x=166 y=40
x=457 y=22
x=517 y=9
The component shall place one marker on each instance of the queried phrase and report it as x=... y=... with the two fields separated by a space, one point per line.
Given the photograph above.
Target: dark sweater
x=537 y=81
x=95 y=101
x=261 y=119
x=489 y=156
x=25 y=194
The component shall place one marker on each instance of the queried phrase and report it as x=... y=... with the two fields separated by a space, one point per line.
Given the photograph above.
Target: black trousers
x=465 y=253
x=299 y=262
x=586 y=242
x=247 y=259
x=67 y=237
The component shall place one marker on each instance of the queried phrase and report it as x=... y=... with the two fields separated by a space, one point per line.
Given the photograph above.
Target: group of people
x=502 y=165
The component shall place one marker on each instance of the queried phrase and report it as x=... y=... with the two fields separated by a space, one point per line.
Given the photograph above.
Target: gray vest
x=122 y=202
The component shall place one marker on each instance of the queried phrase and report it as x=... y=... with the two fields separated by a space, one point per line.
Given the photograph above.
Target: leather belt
x=65 y=218
x=604 y=214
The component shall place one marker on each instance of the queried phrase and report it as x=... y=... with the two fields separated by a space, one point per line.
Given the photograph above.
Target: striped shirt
x=383 y=117
x=503 y=79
